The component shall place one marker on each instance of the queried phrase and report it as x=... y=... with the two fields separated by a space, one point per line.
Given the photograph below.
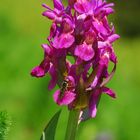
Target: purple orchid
x=82 y=31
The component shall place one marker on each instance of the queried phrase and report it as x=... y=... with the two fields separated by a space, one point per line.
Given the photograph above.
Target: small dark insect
x=63 y=87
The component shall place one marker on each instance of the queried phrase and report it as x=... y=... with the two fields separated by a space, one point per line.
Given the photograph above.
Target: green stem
x=72 y=124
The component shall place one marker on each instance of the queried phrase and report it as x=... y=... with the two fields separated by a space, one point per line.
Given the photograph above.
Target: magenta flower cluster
x=79 y=52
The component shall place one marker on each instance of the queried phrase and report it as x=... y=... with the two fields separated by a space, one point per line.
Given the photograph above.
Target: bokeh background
x=27 y=99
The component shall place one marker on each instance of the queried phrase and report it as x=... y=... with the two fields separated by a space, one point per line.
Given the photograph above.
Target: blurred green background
x=27 y=99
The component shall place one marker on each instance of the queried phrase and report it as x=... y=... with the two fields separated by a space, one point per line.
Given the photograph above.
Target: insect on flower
x=63 y=88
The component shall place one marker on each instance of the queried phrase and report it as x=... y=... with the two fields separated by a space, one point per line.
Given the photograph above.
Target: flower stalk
x=72 y=124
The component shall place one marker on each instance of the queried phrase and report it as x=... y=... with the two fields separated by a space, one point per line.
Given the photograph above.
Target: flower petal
x=58 y=4
x=85 y=52
x=82 y=6
x=93 y=103
x=68 y=25
x=109 y=92
x=52 y=31
x=63 y=41
x=41 y=70
x=50 y=14
x=113 y=38
x=100 y=70
x=100 y=27
x=67 y=98
x=46 y=48
x=38 y=72
x=53 y=80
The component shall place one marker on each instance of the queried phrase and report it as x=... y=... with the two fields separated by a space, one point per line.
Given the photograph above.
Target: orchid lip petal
x=85 y=52
x=67 y=98
x=63 y=41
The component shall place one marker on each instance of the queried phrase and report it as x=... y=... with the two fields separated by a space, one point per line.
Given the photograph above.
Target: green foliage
x=49 y=131
x=5 y=124
x=127 y=17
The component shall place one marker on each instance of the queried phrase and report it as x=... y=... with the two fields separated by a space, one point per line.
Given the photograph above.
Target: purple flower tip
x=38 y=72
x=85 y=52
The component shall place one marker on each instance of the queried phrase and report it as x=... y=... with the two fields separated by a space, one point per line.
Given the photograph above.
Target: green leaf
x=49 y=131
